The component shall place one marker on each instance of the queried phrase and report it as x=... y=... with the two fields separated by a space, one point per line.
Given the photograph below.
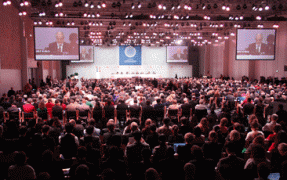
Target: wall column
x=24 y=57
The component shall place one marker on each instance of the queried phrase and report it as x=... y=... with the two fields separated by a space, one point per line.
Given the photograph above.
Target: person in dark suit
x=178 y=55
x=115 y=163
x=184 y=152
x=57 y=110
x=257 y=48
x=11 y=92
x=122 y=109
x=185 y=108
x=85 y=55
x=59 y=47
x=159 y=111
x=204 y=167
x=231 y=167
x=147 y=112
x=134 y=150
x=109 y=110
x=135 y=109
x=110 y=138
x=248 y=107
x=89 y=140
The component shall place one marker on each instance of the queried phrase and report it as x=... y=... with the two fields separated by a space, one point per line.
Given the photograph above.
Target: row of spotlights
x=91 y=15
x=60 y=4
x=6 y=3
x=22 y=13
x=139 y=5
x=25 y=3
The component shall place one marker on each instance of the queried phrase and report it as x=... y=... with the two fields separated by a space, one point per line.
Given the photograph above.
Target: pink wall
x=222 y=59
x=10 y=32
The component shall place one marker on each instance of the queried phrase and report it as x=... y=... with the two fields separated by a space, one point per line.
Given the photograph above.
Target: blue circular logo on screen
x=130 y=51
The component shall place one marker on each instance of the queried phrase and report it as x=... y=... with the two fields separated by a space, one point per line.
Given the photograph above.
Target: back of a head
x=277 y=128
x=45 y=128
x=44 y=176
x=201 y=101
x=162 y=139
x=234 y=135
x=282 y=148
x=137 y=135
x=108 y=174
x=189 y=137
x=183 y=120
x=29 y=100
x=90 y=130
x=134 y=126
x=230 y=147
x=20 y=157
x=148 y=102
x=254 y=125
x=189 y=171
x=258 y=152
x=281 y=137
x=197 y=152
x=82 y=152
x=92 y=122
x=82 y=172
x=259 y=140
x=151 y=174
x=158 y=101
x=47 y=156
x=223 y=121
x=274 y=117
x=170 y=152
x=153 y=127
x=111 y=126
x=197 y=131
x=213 y=136
x=166 y=121
x=69 y=127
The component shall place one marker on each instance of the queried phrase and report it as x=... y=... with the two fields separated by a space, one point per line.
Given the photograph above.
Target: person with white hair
x=270 y=126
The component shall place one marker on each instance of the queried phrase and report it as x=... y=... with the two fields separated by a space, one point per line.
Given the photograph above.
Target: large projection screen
x=56 y=43
x=176 y=54
x=256 y=44
x=86 y=54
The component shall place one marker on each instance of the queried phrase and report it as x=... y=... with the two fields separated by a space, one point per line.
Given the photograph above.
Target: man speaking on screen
x=60 y=47
x=178 y=55
x=257 y=48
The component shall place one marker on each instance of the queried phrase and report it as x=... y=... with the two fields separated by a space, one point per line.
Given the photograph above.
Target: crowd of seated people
x=151 y=129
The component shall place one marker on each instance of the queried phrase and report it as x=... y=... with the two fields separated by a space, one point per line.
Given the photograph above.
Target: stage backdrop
x=130 y=55
x=107 y=64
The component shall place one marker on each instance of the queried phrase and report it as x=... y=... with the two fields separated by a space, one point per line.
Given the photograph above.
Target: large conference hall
x=141 y=89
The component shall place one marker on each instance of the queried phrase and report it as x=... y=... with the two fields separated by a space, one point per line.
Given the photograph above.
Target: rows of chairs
x=156 y=115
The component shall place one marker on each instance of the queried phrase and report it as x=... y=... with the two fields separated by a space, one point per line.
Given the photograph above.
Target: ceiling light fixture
x=92 y=5
x=80 y=3
x=244 y=6
x=60 y=3
x=86 y=4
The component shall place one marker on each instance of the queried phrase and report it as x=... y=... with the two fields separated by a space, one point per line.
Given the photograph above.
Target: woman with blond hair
x=203 y=126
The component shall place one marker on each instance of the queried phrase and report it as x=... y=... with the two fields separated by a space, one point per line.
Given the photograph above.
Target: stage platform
x=115 y=76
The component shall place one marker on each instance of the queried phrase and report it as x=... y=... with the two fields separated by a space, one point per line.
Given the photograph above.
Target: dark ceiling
x=155 y=22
